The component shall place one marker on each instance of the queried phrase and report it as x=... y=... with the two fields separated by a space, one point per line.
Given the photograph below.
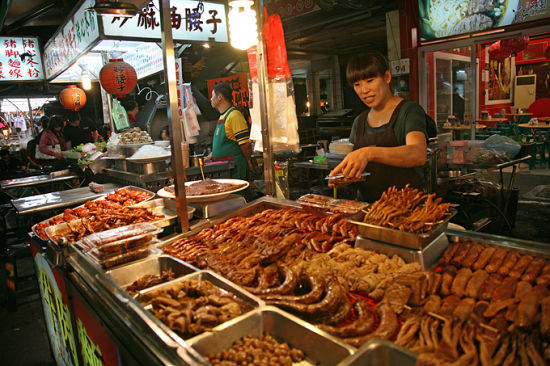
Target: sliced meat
x=464 y=309
x=472 y=255
x=522 y=289
x=483 y=258
x=476 y=281
x=433 y=304
x=520 y=266
x=449 y=254
x=545 y=317
x=447 y=278
x=496 y=306
x=479 y=309
x=460 y=281
x=461 y=253
x=489 y=287
x=389 y=325
x=505 y=290
x=527 y=310
x=481 y=6
x=449 y=304
x=434 y=281
x=496 y=260
x=508 y=263
x=533 y=269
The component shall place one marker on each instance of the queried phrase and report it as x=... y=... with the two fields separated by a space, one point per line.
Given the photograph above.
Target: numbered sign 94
x=400 y=67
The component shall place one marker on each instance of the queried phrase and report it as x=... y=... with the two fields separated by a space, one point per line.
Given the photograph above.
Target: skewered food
x=407 y=209
x=257 y=350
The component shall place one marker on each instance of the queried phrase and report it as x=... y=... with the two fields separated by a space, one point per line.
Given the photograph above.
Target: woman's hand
x=353 y=164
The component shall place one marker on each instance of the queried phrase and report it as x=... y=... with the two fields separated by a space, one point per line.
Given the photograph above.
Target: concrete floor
x=23 y=338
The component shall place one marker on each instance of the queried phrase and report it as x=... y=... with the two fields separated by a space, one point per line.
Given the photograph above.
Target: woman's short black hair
x=129 y=103
x=225 y=90
x=365 y=66
x=55 y=121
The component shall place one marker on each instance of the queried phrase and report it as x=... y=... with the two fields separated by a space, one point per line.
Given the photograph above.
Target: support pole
x=269 y=172
x=177 y=136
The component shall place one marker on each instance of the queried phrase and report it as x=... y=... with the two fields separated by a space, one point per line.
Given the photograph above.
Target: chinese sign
x=56 y=314
x=20 y=59
x=191 y=21
x=69 y=42
x=239 y=84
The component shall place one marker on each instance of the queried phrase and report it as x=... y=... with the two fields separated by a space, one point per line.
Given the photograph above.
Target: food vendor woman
x=389 y=138
x=231 y=137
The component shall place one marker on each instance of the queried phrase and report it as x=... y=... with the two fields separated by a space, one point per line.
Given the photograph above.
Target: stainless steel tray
x=247 y=298
x=319 y=348
x=397 y=237
x=130 y=188
x=126 y=274
x=380 y=352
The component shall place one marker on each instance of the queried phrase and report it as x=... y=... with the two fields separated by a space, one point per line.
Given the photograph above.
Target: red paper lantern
x=497 y=53
x=514 y=45
x=72 y=98
x=118 y=77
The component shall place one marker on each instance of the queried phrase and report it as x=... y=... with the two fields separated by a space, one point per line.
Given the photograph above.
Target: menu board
x=446 y=18
x=20 y=59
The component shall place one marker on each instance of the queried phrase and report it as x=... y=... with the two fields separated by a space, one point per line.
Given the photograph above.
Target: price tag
x=400 y=67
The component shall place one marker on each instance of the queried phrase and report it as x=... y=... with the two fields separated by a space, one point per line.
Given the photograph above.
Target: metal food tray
x=380 y=352
x=319 y=347
x=156 y=205
x=130 y=188
x=227 y=286
x=397 y=237
x=126 y=274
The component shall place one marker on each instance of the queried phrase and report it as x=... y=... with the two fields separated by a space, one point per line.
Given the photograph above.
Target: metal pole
x=176 y=129
x=269 y=172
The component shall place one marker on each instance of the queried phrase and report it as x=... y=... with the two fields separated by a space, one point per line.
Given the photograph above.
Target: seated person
x=9 y=165
x=74 y=134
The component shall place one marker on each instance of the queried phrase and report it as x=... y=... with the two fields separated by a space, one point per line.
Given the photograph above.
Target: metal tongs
x=340 y=176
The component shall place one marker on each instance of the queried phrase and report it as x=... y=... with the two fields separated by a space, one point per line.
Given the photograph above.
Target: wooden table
x=516 y=116
x=492 y=121
x=459 y=130
x=535 y=129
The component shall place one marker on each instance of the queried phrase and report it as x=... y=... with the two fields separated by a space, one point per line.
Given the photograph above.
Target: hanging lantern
x=72 y=98
x=496 y=52
x=514 y=45
x=243 y=29
x=547 y=52
x=118 y=77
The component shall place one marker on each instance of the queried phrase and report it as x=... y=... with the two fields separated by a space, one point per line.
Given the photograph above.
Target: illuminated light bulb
x=86 y=81
x=243 y=29
x=206 y=45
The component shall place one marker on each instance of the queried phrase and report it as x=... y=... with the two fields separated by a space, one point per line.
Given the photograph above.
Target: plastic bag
x=502 y=145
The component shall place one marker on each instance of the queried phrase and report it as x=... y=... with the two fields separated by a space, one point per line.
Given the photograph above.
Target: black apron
x=382 y=176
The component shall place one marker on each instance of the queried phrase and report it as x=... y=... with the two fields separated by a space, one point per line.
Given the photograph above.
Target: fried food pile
x=149 y=281
x=191 y=307
x=119 y=198
x=407 y=209
x=487 y=304
x=257 y=350
x=134 y=136
x=105 y=219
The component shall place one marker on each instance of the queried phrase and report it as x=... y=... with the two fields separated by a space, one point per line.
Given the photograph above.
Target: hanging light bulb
x=243 y=29
x=86 y=81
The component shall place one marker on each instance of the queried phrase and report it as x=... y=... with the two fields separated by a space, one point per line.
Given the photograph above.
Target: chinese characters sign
x=69 y=42
x=239 y=84
x=20 y=59
x=191 y=21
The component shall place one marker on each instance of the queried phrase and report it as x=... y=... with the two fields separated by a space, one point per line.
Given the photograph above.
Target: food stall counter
x=53 y=200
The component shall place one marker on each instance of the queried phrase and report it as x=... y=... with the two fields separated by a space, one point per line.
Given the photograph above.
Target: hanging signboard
x=191 y=21
x=239 y=84
x=446 y=18
x=72 y=40
x=400 y=67
x=20 y=59
x=146 y=59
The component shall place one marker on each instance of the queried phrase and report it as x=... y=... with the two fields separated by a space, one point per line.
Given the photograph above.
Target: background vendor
x=389 y=138
x=231 y=136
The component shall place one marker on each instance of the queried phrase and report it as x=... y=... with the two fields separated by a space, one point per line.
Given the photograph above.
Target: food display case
x=97 y=307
